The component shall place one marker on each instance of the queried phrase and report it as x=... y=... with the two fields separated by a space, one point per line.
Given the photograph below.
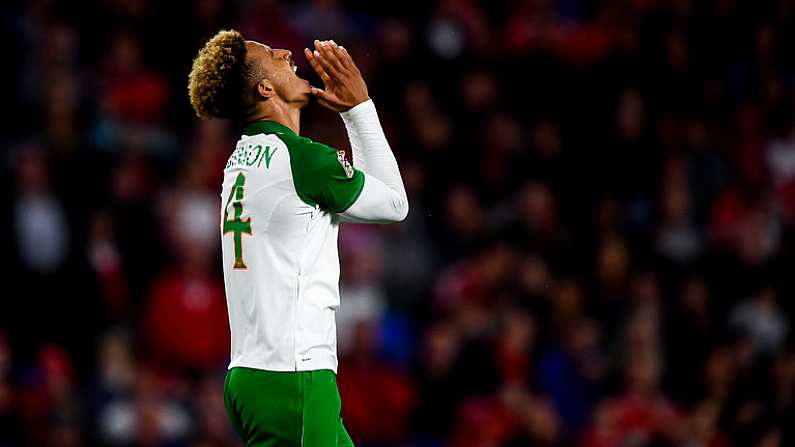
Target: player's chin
x=305 y=98
x=303 y=92
x=306 y=89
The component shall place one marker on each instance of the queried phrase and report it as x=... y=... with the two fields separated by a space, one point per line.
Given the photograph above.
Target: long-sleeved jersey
x=283 y=198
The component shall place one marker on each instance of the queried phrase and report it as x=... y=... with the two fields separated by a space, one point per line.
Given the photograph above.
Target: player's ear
x=265 y=89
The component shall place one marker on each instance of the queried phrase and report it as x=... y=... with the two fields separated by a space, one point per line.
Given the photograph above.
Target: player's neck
x=279 y=112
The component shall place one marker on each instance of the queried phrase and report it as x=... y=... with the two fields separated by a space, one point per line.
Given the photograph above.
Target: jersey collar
x=258 y=127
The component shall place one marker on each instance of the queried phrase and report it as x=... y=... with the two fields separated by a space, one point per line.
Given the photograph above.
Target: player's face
x=281 y=71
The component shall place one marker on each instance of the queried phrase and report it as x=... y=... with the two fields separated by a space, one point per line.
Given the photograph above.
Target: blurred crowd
x=599 y=251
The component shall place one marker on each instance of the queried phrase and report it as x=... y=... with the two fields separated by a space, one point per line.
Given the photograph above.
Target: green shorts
x=285 y=409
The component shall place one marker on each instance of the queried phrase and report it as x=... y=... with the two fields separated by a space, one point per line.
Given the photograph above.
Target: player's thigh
x=264 y=407
x=322 y=423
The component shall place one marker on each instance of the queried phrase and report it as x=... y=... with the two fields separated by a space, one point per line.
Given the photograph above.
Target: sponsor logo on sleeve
x=346 y=166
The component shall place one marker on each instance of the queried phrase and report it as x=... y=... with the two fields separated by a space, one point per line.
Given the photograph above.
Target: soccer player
x=283 y=198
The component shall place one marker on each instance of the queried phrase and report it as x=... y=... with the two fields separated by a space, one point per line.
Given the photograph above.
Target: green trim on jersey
x=267 y=127
x=320 y=174
x=285 y=409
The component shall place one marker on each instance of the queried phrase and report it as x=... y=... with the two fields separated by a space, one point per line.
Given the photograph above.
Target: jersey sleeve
x=323 y=176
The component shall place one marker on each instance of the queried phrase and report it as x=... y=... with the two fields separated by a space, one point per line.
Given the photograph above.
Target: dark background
x=599 y=251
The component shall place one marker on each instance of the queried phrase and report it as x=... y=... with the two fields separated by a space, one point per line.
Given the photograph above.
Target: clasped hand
x=343 y=85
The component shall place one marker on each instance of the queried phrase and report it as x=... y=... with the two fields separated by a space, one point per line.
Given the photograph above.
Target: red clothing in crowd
x=187 y=321
x=376 y=401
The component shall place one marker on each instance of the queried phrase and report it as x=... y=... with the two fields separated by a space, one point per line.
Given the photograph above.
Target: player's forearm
x=371 y=151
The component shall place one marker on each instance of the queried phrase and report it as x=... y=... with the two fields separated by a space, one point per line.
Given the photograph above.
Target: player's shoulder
x=298 y=145
x=306 y=147
x=307 y=155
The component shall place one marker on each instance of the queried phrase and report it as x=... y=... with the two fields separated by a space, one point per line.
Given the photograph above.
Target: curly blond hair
x=217 y=80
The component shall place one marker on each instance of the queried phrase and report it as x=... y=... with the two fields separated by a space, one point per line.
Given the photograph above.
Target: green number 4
x=237 y=226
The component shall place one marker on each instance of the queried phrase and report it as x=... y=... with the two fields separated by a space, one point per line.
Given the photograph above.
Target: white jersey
x=283 y=198
x=279 y=242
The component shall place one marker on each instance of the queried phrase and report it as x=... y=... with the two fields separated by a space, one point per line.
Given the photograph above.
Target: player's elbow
x=399 y=209
x=402 y=210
